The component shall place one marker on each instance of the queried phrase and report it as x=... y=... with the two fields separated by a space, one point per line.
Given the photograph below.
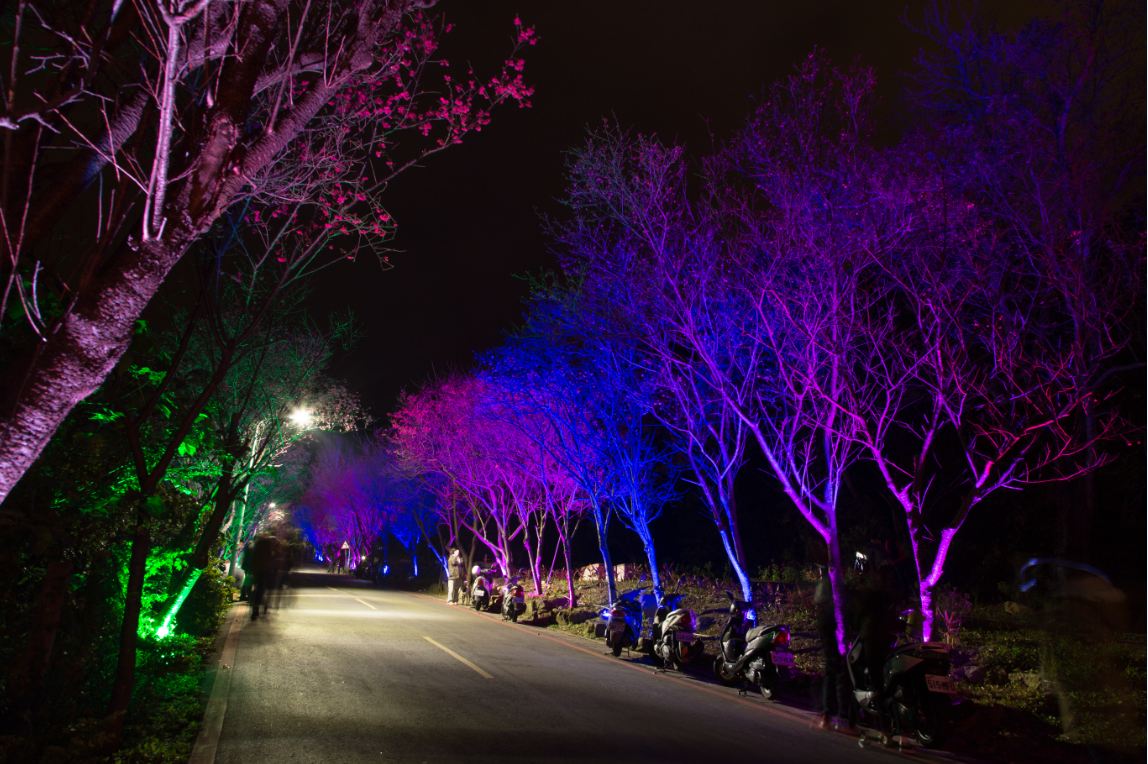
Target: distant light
x=301 y=418
x=163 y=631
x=271 y=505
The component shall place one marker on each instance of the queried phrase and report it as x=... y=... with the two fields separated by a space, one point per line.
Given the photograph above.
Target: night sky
x=469 y=220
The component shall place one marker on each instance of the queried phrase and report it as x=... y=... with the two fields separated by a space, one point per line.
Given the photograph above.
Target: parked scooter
x=673 y=633
x=485 y=591
x=914 y=693
x=751 y=653
x=513 y=600
x=623 y=621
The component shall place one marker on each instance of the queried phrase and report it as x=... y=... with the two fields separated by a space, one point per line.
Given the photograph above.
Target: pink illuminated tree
x=969 y=387
x=997 y=365
x=442 y=429
x=153 y=128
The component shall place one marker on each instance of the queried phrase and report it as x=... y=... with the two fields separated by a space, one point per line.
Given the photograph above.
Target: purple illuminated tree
x=146 y=124
x=811 y=204
x=514 y=371
x=742 y=298
x=1042 y=131
x=1008 y=327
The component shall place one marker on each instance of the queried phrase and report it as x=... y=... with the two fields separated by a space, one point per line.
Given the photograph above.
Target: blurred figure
x=455 y=570
x=1082 y=615
x=264 y=562
x=281 y=567
x=248 y=579
x=877 y=624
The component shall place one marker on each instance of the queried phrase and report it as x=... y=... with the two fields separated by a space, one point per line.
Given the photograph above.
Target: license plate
x=684 y=637
x=480 y=592
x=783 y=659
x=617 y=627
x=519 y=600
x=941 y=684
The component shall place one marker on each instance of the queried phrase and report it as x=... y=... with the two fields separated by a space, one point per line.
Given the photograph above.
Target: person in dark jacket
x=265 y=567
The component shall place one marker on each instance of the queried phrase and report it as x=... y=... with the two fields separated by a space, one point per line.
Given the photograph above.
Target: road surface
x=346 y=673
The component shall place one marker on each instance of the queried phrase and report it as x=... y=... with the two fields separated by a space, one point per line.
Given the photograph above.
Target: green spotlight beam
x=165 y=628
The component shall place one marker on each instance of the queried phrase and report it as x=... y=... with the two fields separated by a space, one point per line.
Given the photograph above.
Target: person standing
x=455 y=569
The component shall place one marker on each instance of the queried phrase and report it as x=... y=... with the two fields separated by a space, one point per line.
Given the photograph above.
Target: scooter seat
x=756 y=632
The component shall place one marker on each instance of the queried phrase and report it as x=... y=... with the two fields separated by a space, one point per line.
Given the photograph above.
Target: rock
x=1015 y=608
x=591 y=573
x=971 y=674
x=1030 y=679
x=627 y=572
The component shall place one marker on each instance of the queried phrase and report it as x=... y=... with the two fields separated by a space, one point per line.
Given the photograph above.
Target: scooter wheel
x=514 y=616
x=722 y=672
x=930 y=714
x=616 y=648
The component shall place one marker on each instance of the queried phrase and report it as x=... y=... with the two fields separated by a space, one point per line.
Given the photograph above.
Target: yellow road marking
x=468 y=663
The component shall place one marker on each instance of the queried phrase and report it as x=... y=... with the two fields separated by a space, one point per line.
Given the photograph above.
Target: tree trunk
x=76 y=358
x=651 y=557
x=129 y=631
x=836 y=584
x=569 y=568
x=604 y=551
x=739 y=571
x=201 y=557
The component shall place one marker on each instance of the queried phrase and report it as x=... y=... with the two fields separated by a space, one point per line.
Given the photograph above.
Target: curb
x=203 y=752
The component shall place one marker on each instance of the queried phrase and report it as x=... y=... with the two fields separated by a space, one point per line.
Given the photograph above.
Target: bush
x=208 y=602
x=952 y=607
x=169 y=700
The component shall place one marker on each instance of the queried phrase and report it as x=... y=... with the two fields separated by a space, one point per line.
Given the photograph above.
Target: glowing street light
x=301 y=418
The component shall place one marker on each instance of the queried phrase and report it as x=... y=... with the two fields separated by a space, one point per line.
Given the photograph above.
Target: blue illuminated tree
x=640 y=237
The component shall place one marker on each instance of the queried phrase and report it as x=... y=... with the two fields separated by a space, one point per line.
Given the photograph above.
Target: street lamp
x=301 y=417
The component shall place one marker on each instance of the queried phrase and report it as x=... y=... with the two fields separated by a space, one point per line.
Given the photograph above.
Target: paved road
x=348 y=673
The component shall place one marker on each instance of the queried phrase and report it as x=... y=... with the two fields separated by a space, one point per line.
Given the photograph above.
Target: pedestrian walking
x=264 y=562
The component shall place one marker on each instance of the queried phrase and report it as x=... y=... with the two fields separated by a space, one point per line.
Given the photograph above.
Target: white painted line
x=356 y=599
x=460 y=659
